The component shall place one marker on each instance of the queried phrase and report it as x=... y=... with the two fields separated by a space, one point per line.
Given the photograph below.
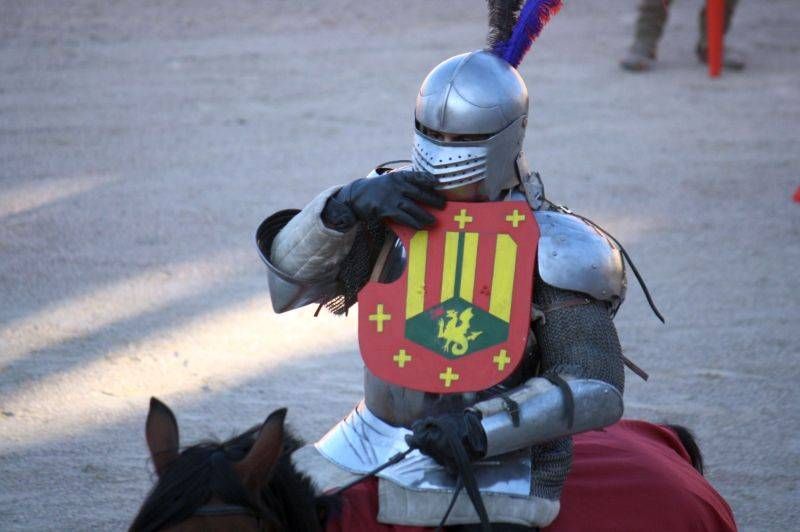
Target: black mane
x=690 y=444
x=190 y=481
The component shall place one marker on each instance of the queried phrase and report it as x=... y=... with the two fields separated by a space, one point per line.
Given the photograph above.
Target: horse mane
x=191 y=480
x=690 y=444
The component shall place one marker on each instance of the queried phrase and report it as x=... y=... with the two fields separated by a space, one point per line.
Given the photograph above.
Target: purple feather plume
x=532 y=19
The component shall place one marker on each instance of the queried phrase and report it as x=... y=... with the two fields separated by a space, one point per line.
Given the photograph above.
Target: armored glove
x=436 y=436
x=391 y=196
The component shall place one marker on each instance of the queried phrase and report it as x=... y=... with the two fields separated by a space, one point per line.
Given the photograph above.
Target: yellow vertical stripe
x=469 y=260
x=449 y=266
x=505 y=258
x=417 y=255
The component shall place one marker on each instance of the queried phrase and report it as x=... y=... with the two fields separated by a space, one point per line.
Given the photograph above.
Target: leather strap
x=567 y=303
x=569 y=400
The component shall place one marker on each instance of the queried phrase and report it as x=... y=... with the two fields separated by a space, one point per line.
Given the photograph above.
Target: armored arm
x=326 y=252
x=579 y=351
x=581 y=282
x=578 y=344
x=577 y=337
x=302 y=255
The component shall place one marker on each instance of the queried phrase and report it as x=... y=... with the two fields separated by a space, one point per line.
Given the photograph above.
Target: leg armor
x=650 y=24
x=732 y=58
x=730 y=8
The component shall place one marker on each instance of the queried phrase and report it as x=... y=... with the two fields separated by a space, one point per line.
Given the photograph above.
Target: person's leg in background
x=650 y=22
x=732 y=58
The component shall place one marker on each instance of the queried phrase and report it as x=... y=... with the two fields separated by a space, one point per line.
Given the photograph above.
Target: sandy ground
x=141 y=143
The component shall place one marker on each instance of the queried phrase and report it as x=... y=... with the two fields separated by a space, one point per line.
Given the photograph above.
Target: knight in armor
x=470 y=120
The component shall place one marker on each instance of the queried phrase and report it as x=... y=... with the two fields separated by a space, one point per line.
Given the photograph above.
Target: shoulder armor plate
x=576 y=256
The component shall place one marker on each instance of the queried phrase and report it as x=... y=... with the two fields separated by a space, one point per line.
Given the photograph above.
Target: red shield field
x=457 y=319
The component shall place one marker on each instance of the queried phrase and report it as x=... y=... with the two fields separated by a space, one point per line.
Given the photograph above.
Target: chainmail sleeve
x=578 y=340
x=357 y=266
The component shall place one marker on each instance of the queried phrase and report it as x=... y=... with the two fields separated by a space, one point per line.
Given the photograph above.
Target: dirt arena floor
x=142 y=142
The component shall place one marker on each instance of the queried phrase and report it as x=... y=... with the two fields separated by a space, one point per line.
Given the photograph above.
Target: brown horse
x=249 y=482
x=245 y=483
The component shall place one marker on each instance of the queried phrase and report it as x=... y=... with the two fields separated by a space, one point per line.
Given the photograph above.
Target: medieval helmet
x=472 y=109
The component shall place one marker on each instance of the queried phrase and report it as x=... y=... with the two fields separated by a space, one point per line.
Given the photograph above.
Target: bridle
x=223 y=509
x=227 y=486
x=261 y=514
x=466 y=480
x=216 y=510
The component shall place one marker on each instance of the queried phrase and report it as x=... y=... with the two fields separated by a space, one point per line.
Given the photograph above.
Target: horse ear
x=254 y=469
x=161 y=431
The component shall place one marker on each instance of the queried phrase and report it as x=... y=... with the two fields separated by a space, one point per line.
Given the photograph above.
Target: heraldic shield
x=457 y=319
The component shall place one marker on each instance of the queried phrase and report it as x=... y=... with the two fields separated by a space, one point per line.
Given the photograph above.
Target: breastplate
x=401 y=407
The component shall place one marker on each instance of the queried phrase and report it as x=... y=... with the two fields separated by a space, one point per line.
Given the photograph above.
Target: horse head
x=245 y=483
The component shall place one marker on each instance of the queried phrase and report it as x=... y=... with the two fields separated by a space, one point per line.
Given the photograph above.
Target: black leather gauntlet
x=393 y=196
x=434 y=436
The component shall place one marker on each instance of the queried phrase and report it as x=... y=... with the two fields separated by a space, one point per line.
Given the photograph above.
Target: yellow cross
x=462 y=218
x=515 y=218
x=380 y=317
x=401 y=358
x=501 y=359
x=448 y=376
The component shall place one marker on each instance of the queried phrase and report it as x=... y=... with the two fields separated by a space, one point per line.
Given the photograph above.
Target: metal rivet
x=594 y=266
x=555 y=253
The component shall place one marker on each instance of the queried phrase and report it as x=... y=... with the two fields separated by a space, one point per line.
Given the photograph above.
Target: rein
x=390 y=462
x=466 y=479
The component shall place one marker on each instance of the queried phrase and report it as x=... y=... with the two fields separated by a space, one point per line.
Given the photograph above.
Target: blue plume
x=532 y=18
